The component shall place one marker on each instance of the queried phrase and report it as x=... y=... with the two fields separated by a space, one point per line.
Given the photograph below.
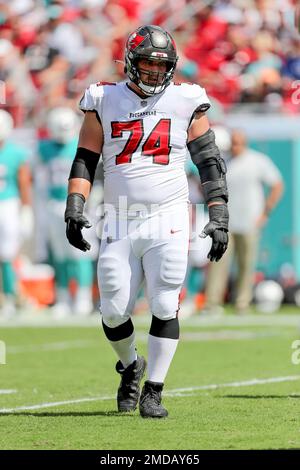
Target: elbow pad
x=84 y=164
x=211 y=166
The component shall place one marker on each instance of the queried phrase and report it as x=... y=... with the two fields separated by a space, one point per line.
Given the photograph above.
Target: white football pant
x=133 y=249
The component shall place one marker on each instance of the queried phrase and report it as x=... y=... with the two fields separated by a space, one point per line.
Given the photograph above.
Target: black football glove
x=217 y=229
x=75 y=221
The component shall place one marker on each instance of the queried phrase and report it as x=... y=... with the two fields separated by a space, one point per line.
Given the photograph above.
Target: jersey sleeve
x=195 y=99
x=201 y=101
x=92 y=98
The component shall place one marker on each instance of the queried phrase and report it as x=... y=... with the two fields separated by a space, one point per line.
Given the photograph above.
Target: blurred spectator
x=248 y=172
x=66 y=37
x=264 y=71
x=291 y=67
x=20 y=94
x=239 y=52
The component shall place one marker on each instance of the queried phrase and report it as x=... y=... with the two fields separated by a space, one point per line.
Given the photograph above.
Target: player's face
x=152 y=71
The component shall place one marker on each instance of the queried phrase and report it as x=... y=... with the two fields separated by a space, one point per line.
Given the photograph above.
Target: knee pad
x=113 y=312
x=173 y=267
x=164 y=305
x=164 y=302
x=110 y=281
x=164 y=328
x=119 y=332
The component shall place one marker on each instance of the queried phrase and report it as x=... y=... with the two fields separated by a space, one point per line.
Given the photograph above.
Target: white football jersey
x=145 y=139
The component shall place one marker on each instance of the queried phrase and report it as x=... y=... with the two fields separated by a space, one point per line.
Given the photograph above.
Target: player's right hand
x=76 y=221
x=219 y=240
x=217 y=229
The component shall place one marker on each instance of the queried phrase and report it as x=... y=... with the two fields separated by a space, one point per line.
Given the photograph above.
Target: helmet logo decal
x=134 y=41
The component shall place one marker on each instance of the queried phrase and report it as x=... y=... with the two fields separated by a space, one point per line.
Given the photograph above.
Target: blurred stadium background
x=246 y=53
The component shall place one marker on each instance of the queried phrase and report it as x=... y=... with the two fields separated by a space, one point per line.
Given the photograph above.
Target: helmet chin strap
x=150 y=90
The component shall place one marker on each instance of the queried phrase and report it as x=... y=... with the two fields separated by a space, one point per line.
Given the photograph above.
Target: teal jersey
x=191 y=168
x=58 y=158
x=11 y=158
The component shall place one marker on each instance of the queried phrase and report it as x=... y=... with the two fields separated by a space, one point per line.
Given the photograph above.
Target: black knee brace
x=120 y=332
x=164 y=328
x=211 y=166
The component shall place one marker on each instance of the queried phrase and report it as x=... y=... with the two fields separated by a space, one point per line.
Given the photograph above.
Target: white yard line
x=176 y=392
x=245 y=383
x=58 y=346
x=55 y=403
x=7 y=392
x=220 y=335
x=43 y=321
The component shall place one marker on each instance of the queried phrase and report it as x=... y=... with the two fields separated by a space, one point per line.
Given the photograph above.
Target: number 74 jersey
x=144 y=148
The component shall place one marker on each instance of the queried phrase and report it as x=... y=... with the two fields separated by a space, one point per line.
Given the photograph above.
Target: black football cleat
x=129 y=389
x=150 y=401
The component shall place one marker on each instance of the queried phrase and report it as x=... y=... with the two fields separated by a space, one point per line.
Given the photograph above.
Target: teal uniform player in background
x=57 y=154
x=15 y=201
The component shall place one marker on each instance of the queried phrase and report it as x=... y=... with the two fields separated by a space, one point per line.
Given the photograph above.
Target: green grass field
x=232 y=385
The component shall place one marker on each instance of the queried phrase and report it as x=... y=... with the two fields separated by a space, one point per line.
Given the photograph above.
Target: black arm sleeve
x=211 y=166
x=84 y=164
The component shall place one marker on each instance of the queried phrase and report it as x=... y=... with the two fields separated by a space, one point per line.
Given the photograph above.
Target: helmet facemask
x=152 y=83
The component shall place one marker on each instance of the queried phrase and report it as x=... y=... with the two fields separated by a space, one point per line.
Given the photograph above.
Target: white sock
x=63 y=296
x=125 y=349
x=83 y=303
x=160 y=354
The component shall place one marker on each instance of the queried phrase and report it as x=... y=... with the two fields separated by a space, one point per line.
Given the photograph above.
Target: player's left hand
x=217 y=229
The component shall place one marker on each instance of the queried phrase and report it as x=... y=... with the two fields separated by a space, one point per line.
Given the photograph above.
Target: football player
x=56 y=154
x=15 y=209
x=143 y=127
